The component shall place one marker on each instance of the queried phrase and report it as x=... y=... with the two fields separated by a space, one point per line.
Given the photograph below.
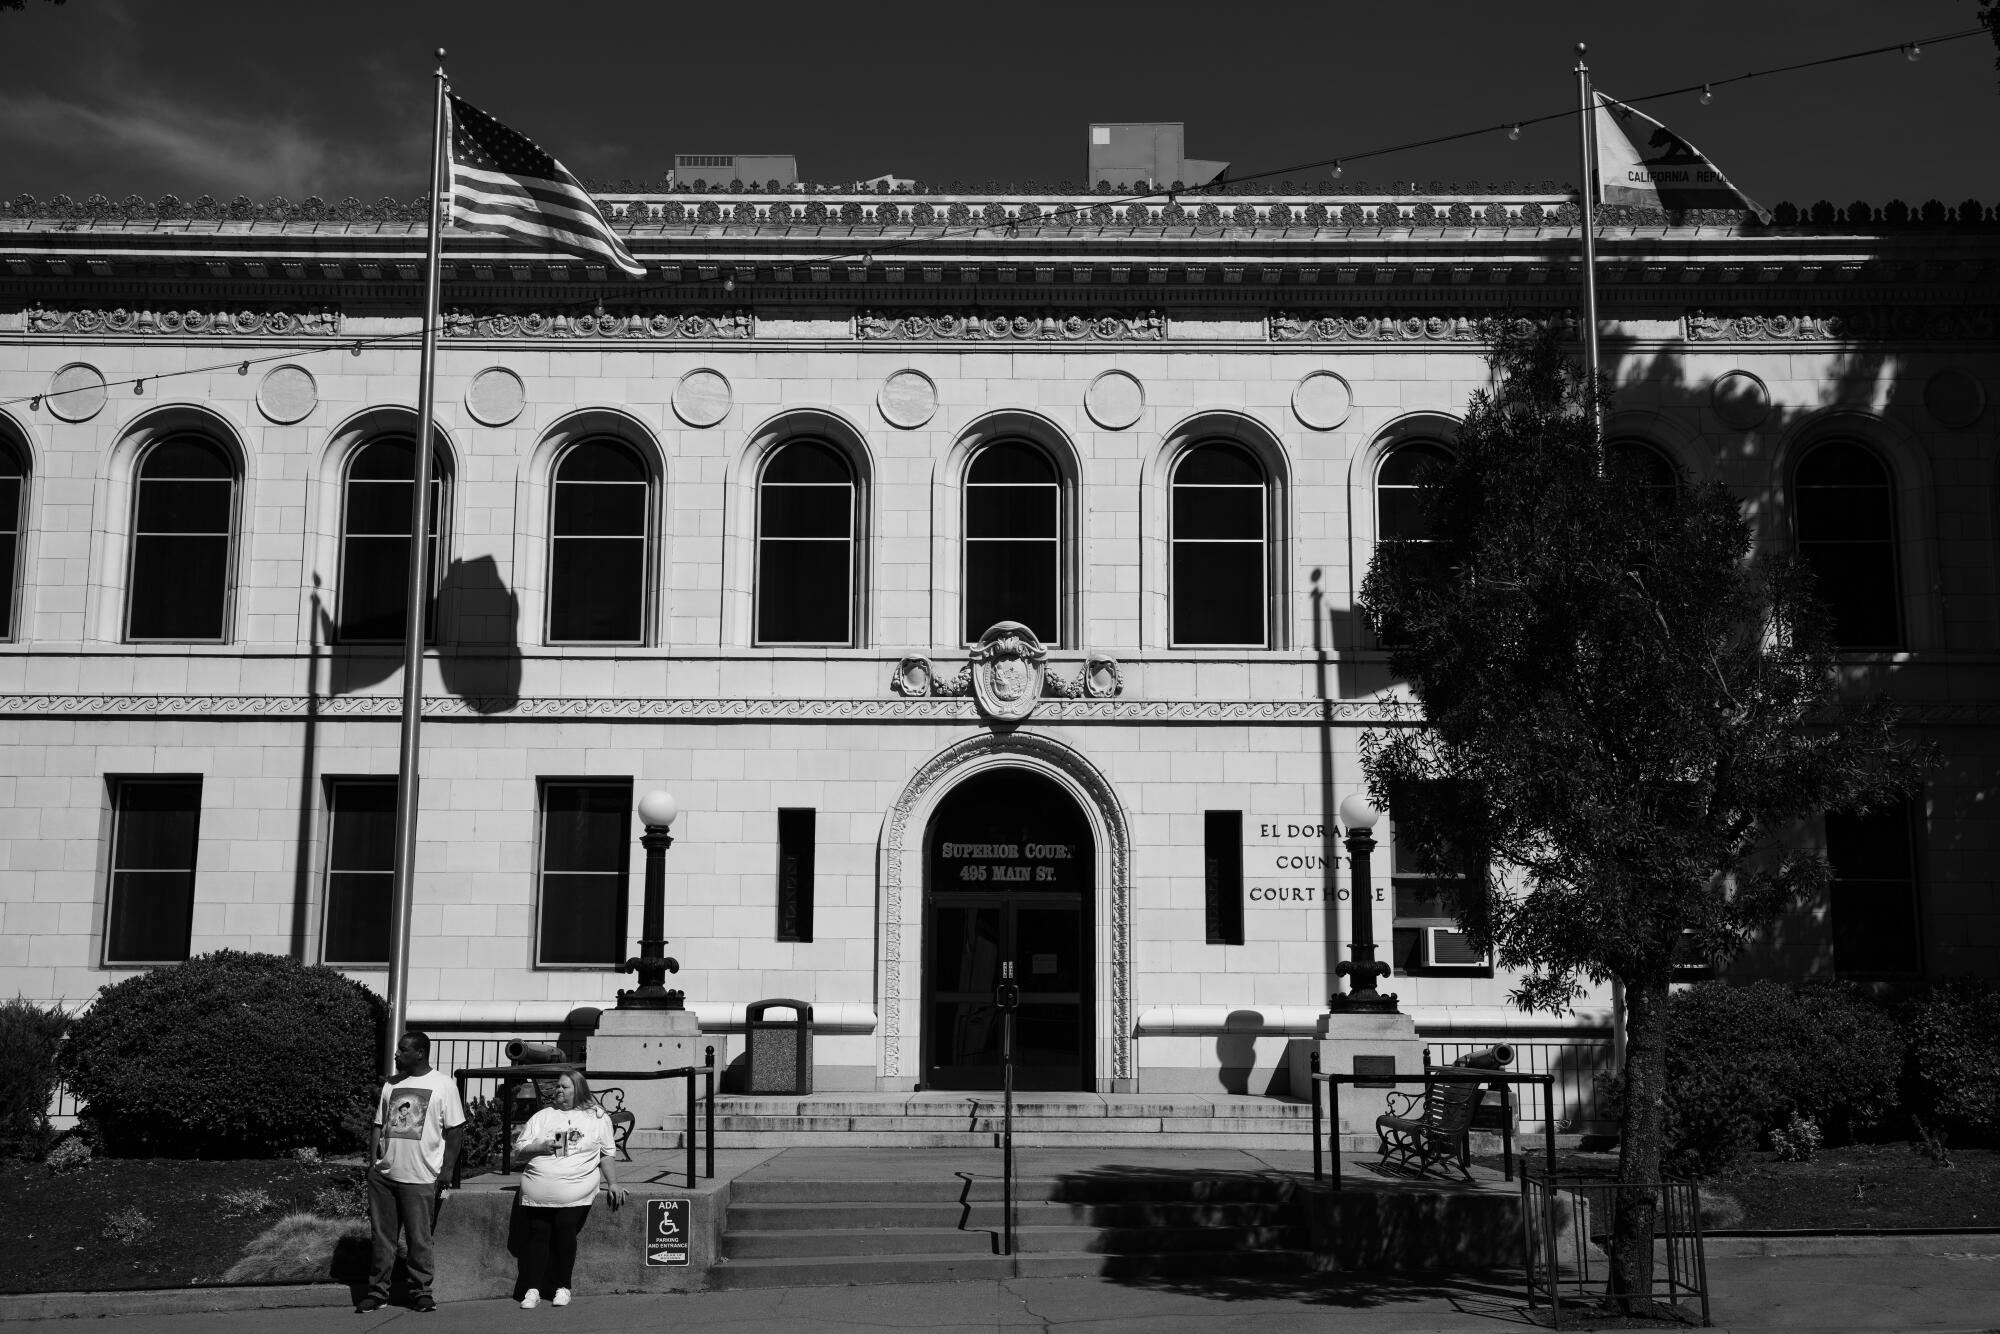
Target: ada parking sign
x=666 y=1232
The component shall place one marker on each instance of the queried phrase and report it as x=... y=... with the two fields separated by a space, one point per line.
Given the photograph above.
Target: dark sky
x=272 y=96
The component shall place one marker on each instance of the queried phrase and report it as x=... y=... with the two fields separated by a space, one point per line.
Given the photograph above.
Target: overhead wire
x=628 y=291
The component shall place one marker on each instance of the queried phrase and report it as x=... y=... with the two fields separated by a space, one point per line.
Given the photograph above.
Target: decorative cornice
x=175 y=323
x=928 y=710
x=925 y=710
x=686 y=324
x=1845 y=326
x=971 y=327
x=1408 y=327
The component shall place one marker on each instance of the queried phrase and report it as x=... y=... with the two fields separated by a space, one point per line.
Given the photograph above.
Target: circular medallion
x=76 y=392
x=495 y=396
x=287 y=394
x=1740 y=399
x=1322 y=400
x=702 y=398
x=907 y=399
x=1114 y=400
x=1954 y=397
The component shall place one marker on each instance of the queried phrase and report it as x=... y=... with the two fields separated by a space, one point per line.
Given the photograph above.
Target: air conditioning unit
x=1445 y=947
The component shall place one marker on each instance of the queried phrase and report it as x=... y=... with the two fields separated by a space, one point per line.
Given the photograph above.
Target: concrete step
x=1095 y=1107
x=728 y=1122
x=1025 y=1139
x=854 y=1270
x=840 y=1215
x=1106 y=1192
x=1029 y=1238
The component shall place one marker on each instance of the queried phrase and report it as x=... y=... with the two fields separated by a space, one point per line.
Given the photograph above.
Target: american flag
x=503 y=184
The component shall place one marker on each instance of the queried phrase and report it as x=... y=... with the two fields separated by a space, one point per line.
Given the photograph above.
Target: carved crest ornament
x=1006 y=673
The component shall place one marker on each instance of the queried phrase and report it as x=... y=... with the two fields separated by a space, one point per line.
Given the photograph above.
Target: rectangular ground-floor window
x=795 y=872
x=360 y=872
x=1874 y=906
x=156 y=828
x=586 y=853
x=1222 y=876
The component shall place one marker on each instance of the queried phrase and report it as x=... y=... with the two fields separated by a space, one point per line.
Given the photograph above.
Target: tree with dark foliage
x=1626 y=721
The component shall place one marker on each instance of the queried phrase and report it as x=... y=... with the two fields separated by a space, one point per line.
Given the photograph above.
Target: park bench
x=1419 y=1130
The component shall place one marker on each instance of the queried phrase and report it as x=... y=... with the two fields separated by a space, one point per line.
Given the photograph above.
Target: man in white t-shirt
x=419 y=1124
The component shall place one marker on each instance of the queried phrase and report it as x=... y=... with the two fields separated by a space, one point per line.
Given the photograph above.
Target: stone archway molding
x=902 y=890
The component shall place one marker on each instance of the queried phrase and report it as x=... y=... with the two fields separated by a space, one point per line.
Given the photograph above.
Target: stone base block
x=637 y=1040
x=476 y=1244
x=1341 y=1038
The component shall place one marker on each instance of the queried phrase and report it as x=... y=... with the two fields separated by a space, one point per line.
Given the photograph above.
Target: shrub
x=30 y=1036
x=480 y=1151
x=1953 y=1074
x=1743 y=1060
x=227 y=1055
x=1798 y=1141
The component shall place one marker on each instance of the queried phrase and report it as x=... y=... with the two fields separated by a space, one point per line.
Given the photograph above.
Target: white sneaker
x=561 y=1298
x=532 y=1300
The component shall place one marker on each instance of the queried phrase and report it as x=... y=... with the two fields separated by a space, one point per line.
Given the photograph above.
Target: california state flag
x=1643 y=163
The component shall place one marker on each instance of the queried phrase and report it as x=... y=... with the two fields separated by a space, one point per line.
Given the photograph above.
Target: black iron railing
x=1571 y=1222
x=508 y=1076
x=1452 y=1073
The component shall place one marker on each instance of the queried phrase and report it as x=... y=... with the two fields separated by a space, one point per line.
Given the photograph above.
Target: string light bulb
x=1913 y=52
x=729 y=284
x=139 y=385
x=244 y=369
x=1514 y=133
x=1707 y=94
x=1336 y=169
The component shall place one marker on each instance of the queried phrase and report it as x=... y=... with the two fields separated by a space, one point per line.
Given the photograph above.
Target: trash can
x=779 y=1059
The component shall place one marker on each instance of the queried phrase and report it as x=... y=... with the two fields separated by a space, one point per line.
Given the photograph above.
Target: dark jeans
x=392 y=1205
x=548 y=1250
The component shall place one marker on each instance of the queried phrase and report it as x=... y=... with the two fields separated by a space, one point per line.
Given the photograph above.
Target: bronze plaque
x=1379 y=1072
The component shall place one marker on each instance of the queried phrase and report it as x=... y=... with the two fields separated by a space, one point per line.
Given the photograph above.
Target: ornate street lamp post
x=657 y=809
x=1359 y=815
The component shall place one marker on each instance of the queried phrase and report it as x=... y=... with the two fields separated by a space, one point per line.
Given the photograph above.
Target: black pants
x=548 y=1250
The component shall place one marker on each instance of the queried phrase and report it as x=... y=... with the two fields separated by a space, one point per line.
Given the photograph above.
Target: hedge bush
x=1743 y=1060
x=1953 y=1068
x=228 y=1055
x=30 y=1036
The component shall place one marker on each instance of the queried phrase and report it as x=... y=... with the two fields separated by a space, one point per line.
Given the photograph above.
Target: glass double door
x=1008 y=880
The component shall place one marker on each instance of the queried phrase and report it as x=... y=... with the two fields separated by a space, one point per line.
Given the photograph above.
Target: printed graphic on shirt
x=568 y=1138
x=408 y=1109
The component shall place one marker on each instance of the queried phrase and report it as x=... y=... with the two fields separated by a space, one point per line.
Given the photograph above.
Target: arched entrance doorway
x=1009 y=874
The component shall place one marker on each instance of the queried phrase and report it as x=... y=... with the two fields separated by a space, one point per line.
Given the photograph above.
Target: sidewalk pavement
x=1944 y=1292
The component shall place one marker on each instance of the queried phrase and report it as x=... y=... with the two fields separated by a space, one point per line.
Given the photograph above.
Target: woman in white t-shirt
x=568 y=1147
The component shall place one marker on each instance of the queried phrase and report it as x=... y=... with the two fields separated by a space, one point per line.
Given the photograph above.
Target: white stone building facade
x=1300 y=340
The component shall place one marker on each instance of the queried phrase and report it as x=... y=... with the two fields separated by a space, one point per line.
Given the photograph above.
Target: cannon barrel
x=523 y=1052
x=1496 y=1057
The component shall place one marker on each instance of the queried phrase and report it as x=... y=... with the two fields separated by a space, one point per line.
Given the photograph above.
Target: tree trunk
x=1637 y=1213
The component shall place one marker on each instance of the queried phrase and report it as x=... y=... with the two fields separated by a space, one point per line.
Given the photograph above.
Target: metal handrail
x=508 y=1076
x=1009 y=997
x=1450 y=1074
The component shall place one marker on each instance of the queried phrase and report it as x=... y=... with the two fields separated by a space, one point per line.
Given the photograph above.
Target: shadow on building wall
x=1799 y=943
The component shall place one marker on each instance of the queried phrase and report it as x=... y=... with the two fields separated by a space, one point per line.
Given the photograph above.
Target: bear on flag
x=1643 y=163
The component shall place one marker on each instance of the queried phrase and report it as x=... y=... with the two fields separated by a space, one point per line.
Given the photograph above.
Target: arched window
x=1398 y=515
x=597 y=545
x=1846 y=513
x=1653 y=470
x=1220 y=566
x=13 y=484
x=805 y=546
x=183 y=530
x=375 y=543
x=1013 y=541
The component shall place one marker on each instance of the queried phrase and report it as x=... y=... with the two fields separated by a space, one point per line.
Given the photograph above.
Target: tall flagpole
x=1587 y=218
x=1587 y=139
x=419 y=602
